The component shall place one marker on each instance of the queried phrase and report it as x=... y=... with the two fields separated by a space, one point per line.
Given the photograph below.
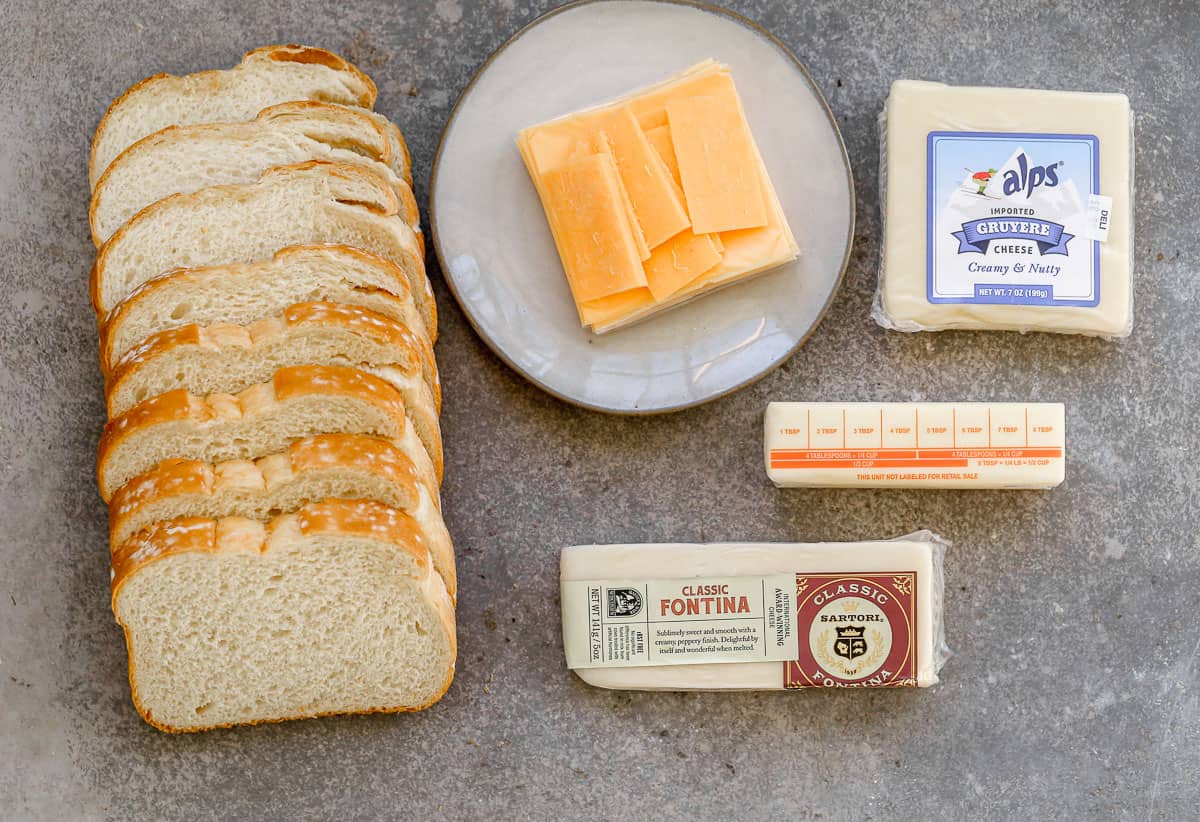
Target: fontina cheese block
x=755 y=616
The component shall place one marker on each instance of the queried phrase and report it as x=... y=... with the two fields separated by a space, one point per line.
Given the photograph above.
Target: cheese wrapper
x=755 y=616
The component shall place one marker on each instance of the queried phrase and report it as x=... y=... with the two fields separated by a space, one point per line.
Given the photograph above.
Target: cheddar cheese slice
x=660 y=139
x=591 y=228
x=602 y=144
x=610 y=310
x=718 y=165
x=679 y=261
x=655 y=199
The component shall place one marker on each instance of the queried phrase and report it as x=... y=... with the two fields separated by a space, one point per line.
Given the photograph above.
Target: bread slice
x=333 y=609
x=226 y=358
x=401 y=160
x=266 y=76
x=183 y=159
x=342 y=466
x=308 y=203
x=297 y=402
x=245 y=293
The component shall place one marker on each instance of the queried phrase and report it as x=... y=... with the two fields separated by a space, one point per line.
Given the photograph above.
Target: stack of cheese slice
x=273 y=455
x=657 y=197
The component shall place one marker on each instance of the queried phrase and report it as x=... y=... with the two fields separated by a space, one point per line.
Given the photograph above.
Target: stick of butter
x=755 y=616
x=915 y=444
x=1006 y=209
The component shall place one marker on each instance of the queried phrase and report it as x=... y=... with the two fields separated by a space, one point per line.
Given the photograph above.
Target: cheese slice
x=718 y=165
x=602 y=144
x=1007 y=209
x=655 y=198
x=660 y=139
x=670 y=167
x=650 y=617
x=915 y=445
x=591 y=228
x=679 y=261
x=608 y=310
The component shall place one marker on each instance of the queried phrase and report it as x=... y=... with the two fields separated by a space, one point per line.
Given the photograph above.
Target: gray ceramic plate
x=499 y=258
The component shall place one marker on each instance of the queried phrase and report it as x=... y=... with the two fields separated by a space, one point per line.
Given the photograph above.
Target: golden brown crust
x=293 y=53
x=177 y=477
x=402 y=343
x=287 y=384
x=338 y=517
x=398 y=284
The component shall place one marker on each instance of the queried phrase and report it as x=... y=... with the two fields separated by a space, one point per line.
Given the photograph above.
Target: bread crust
x=385 y=204
x=333 y=517
x=401 y=343
x=290 y=52
x=267 y=475
x=290 y=383
x=269 y=269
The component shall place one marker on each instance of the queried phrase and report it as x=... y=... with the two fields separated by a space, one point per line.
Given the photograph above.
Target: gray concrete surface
x=1073 y=691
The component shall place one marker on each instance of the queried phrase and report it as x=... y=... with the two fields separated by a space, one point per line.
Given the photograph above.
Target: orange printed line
x=839 y=453
x=941 y=463
x=909 y=453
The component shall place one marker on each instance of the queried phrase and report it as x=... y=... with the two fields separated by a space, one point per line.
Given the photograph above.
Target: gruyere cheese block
x=1006 y=209
x=755 y=615
x=915 y=445
x=724 y=179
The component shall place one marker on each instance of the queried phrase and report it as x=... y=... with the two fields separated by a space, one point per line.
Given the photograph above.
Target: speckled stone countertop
x=1073 y=692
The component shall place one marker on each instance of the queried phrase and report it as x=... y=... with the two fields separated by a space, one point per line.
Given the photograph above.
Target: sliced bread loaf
x=297 y=402
x=245 y=293
x=309 y=203
x=334 y=609
x=226 y=358
x=183 y=159
x=266 y=76
x=328 y=466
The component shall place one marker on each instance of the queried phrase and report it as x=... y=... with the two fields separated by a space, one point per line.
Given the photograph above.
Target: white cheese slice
x=915 y=444
x=1006 y=209
x=886 y=597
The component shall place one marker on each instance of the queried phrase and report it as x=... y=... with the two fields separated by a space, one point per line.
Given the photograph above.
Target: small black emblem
x=624 y=602
x=850 y=643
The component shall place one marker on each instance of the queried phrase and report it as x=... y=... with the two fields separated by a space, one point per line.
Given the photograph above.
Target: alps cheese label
x=1012 y=218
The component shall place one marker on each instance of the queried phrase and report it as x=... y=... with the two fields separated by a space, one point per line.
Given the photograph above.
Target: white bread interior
x=183 y=159
x=242 y=294
x=226 y=359
x=327 y=466
x=264 y=77
x=310 y=203
x=333 y=609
